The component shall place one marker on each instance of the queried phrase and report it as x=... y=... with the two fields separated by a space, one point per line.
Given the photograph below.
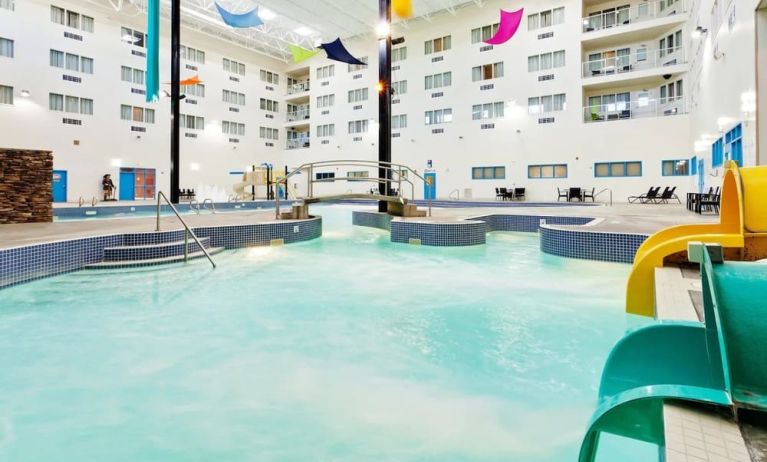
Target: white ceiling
x=316 y=20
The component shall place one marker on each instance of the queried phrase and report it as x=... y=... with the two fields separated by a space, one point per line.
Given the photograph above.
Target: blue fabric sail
x=338 y=52
x=153 y=51
x=244 y=20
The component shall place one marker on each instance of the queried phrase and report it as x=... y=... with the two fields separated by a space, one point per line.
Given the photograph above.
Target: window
x=234 y=67
x=73 y=20
x=326 y=101
x=87 y=24
x=487 y=111
x=57 y=15
x=133 y=37
x=269 y=133
x=232 y=128
x=437 y=45
x=86 y=65
x=488 y=173
x=617 y=169
x=6 y=94
x=138 y=114
x=192 y=54
x=547 y=171
x=197 y=89
x=232 y=97
x=7 y=5
x=329 y=176
x=399 y=121
x=360 y=94
x=546 y=18
x=269 y=77
x=325 y=72
x=57 y=58
x=131 y=75
x=487 y=72
x=359 y=67
x=6 y=47
x=191 y=122
x=358 y=126
x=399 y=87
x=641 y=53
x=72 y=62
x=73 y=104
x=68 y=18
x=269 y=105
x=675 y=167
x=547 y=103
x=444 y=79
x=55 y=102
x=86 y=106
x=326 y=130
x=483 y=33
x=358 y=174
x=439 y=116
x=546 y=61
x=399 y=54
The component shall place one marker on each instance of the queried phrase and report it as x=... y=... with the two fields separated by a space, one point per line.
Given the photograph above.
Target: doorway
x=59 y=186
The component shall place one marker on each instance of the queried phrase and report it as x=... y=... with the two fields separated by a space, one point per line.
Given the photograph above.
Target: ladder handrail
x=194 y=206
x=457 y=192
x=188 y=231
x=212 y=205
x=606 y=190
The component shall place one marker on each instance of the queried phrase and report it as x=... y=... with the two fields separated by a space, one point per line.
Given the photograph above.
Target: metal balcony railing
x=637 y=61
x=299 y=87
x=621 y=110
x=298 y=143
x=623 y=16
x=301 y=114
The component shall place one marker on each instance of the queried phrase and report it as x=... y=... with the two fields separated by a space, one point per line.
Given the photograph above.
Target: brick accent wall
x=25 y=186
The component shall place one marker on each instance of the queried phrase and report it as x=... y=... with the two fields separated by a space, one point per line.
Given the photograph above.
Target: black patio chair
x=651 y=194
x=504 y=193
x=561 y=194
x=498 y=194
x=709 y=203
x=668 y=193
x=589 y=194
x=519 y=193
x=575 y=193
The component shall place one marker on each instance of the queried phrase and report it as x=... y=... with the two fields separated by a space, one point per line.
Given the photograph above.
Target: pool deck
x=620 y=218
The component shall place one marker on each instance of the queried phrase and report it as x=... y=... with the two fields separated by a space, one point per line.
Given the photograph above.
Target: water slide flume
x=742 y=225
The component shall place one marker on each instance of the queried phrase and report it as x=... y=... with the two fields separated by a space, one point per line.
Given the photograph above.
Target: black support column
x=384 y=103
x=175 y=98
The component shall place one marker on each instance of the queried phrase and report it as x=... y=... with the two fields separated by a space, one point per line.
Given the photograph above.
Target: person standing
x=108 y=187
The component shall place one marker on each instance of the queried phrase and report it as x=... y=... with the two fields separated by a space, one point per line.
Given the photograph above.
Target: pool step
x=152 y=261
x=153 y=250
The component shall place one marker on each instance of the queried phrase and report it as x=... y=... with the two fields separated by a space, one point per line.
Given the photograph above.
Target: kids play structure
x=742 y=231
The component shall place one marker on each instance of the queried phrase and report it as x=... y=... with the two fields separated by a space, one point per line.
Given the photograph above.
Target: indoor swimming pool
x=344 y=348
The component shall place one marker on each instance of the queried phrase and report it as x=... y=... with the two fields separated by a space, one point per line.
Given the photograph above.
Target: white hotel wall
x=103 y=136
x=518 y=140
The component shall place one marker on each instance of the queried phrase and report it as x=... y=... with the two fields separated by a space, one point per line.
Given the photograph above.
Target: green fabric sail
x=301 y=54
x=153 y=51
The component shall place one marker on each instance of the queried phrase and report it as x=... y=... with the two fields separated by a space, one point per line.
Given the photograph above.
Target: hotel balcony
x=298 y=87
x=641 y=108
x=299 y=142
x=640 y=21
x=298 y=117
x=632 y=67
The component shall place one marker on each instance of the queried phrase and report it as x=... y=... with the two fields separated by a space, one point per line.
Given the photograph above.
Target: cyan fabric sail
x=243 y=20
x=153 y=51
x=508 y=26
x=338 y=52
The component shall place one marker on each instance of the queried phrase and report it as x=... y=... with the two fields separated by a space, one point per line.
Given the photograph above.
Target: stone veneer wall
x=25 y=186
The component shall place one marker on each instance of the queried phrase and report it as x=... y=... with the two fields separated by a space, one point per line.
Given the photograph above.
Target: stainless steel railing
x=187 y=230
x=606 y=190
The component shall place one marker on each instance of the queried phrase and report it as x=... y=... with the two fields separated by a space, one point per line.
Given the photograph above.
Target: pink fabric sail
x=510 y=21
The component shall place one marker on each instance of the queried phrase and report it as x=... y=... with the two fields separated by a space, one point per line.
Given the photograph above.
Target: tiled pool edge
x=27 y=263
x=581 y=243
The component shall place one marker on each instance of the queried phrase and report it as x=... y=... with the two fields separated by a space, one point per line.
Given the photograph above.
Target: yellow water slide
x=742 y=225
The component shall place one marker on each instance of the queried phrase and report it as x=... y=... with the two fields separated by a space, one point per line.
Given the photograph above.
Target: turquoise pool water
x=345 y=348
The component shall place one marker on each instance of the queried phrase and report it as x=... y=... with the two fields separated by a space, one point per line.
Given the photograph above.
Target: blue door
x=430 y=186
x=127 y=186
x=59 y=186
x=701 y=177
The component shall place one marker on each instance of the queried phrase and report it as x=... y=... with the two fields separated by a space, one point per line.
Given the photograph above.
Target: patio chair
x=668 y=193
x=504 y=193
x=651 y=194
x=561 y=194
x=589 y=194
x=575 y=193
x=498 y=194
x=519 y=193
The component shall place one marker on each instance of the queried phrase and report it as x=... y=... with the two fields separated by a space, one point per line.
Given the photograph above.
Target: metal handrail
x=80 y=201
x=387 y=166
x=94 y=201
x=212 y=205
x=457 y=194
x=187 y=232
x=606 y=190
x=194 y=206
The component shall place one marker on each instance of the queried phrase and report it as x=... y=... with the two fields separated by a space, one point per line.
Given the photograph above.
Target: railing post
x=186 y=245
x=159 y=195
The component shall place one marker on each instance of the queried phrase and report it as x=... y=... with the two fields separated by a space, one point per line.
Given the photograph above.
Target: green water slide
x=722 y=361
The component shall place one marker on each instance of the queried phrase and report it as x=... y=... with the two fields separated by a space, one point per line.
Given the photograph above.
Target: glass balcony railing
x=298 y=143
x=295 y=116
x=640 y=60
x=298 y=87
x=623 y=16
x=641 y=108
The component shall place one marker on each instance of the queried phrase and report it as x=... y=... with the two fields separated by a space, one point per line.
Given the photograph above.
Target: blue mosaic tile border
x=590 y=245
x=112 y=210
x=528 y=223
x=439 y=234
x=27 y=263
x=378 y=220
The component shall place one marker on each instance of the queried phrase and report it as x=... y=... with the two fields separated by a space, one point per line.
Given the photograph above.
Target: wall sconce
x=26 y=93
x=698 y=32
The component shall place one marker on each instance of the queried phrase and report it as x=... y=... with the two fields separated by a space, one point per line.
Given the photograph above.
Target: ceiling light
x=383 y=29
x=266 y=14
x=303 y=31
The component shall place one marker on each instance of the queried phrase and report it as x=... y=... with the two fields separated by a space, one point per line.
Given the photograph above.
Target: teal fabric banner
x=153 y=51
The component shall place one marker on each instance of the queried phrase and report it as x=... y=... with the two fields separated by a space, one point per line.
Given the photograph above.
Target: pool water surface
x=345 y=348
